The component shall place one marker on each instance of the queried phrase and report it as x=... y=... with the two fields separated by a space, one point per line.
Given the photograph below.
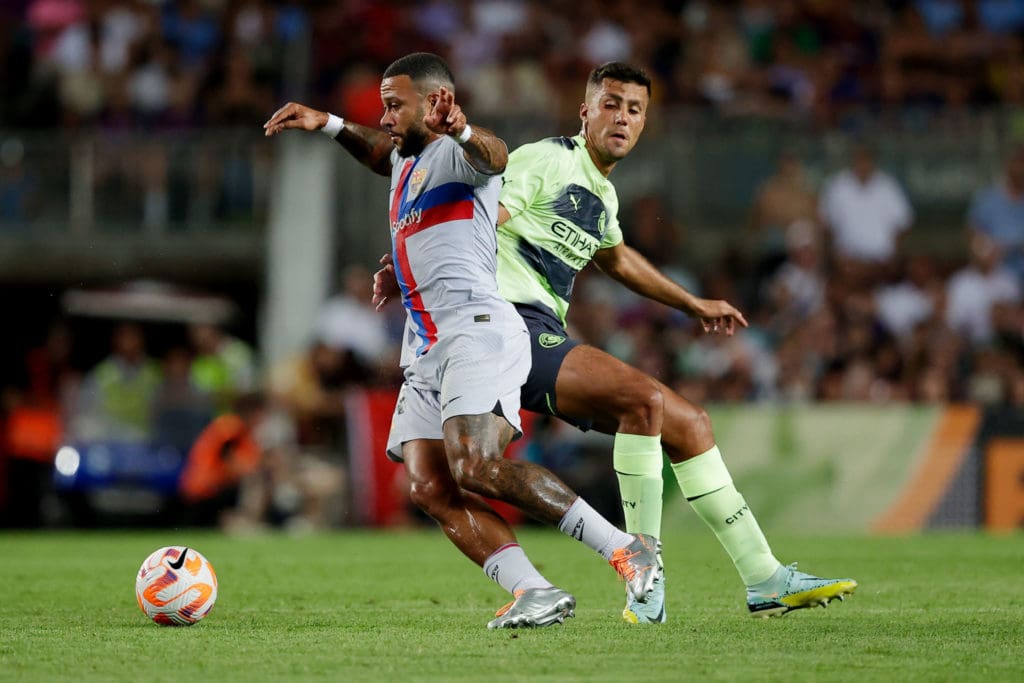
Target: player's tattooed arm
x=484 y=150
x=629 y=267
x=370 y=147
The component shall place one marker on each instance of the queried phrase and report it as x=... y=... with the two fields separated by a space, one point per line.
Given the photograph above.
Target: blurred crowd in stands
x=839 y=308
x=187 y=63
x=839 y=311
x=133 y=63
x=253 y=452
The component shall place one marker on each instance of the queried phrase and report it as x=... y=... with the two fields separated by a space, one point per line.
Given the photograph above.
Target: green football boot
x=789 y=589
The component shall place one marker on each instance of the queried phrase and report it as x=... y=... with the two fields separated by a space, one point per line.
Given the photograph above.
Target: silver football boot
x=637 y=564
x=652 y=611
x=535 y=608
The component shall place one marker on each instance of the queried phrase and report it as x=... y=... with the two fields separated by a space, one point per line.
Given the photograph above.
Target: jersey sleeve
x=613 y=231
x=523 y=181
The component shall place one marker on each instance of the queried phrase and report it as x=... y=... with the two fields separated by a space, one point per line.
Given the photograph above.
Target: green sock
x=707 y=485
x=637 y=462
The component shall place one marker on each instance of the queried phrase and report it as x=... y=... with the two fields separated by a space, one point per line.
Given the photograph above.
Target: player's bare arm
x=370 y=147
x=503 y=214
x=628 y=266
x=483 y=149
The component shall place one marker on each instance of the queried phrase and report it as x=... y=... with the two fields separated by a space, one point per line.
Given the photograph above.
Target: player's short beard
x=415 y=138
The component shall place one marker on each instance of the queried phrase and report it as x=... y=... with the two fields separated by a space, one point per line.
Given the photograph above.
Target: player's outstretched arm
x=629 y=267
x=483 y=149
x=370 y=147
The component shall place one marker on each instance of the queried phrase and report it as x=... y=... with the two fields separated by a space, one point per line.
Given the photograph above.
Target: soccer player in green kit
x=558 y=213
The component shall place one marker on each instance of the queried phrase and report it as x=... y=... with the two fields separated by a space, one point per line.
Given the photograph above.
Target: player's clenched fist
x=295 y=115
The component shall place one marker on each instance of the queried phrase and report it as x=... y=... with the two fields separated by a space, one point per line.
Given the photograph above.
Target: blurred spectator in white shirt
x=973 y=291
x=915 y=298
x=866 y=211
x=797 y=289
x=347 y=321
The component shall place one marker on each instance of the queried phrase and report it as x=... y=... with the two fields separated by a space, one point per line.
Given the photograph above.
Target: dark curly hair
x=424 y=68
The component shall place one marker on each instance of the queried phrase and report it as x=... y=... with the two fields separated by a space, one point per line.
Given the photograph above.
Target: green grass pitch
x=405 y=606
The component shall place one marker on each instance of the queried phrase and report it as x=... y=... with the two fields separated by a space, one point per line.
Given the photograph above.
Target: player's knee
x=474 y=471
x=431 y=495
x=469 y=471
x=698 y=422
x=642 y=405
x=687 y=430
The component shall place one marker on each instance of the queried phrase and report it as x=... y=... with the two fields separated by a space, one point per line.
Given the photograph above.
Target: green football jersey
x=562 y=210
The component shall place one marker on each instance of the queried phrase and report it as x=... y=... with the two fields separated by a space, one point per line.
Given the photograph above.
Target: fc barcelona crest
x=417 y=178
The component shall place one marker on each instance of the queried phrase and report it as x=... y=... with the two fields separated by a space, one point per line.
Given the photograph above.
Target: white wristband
x=333 y=126
x=464 y=136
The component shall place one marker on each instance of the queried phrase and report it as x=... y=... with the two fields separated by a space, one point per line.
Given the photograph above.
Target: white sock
x=583 y=523
x=510 y=568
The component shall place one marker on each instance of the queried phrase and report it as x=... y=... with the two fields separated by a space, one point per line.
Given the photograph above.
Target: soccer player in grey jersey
x=558 y=213
x=466 y=350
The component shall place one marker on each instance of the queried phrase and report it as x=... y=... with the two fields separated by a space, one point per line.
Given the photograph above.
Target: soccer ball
x=176 y=586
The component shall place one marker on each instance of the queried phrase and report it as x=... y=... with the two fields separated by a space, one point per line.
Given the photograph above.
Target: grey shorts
x=478 y=370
